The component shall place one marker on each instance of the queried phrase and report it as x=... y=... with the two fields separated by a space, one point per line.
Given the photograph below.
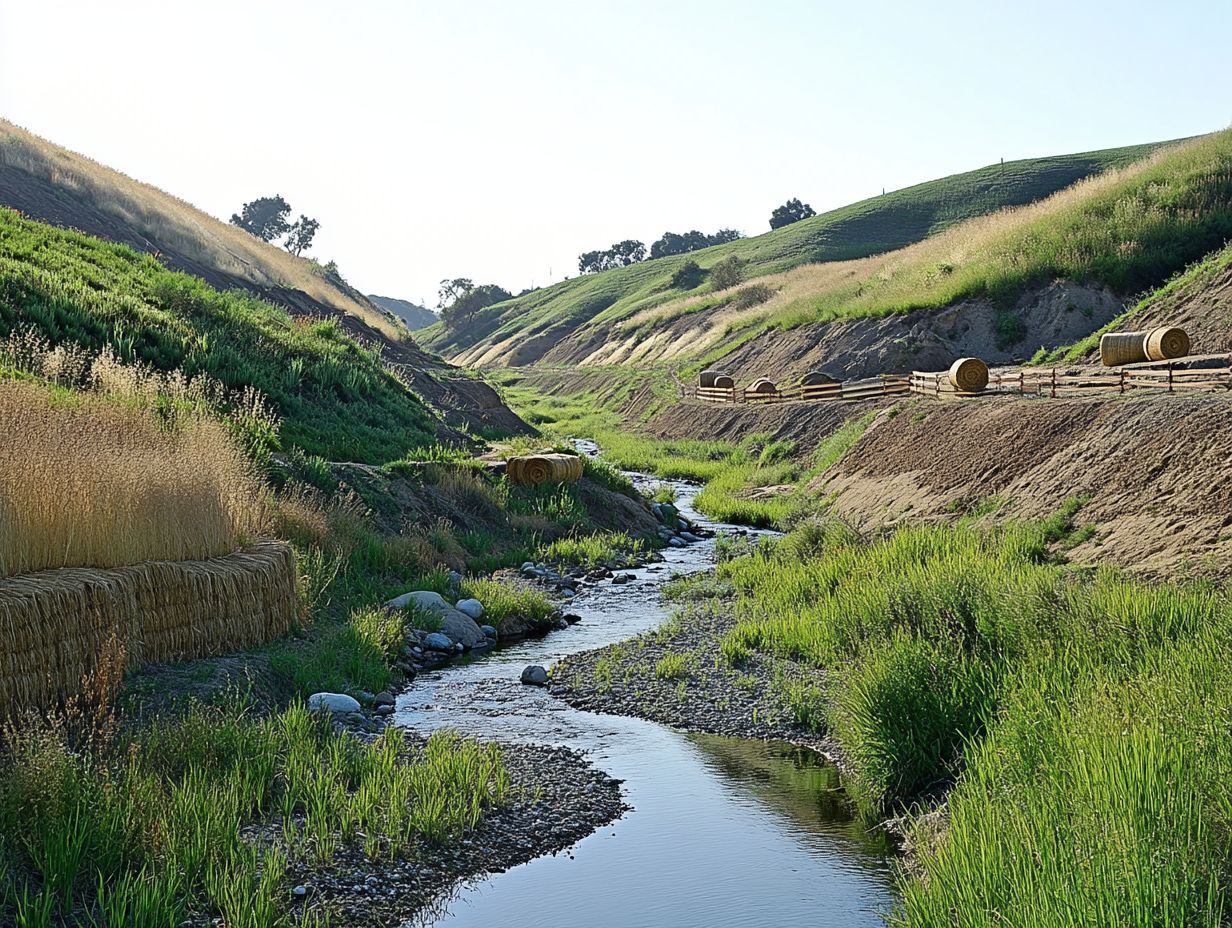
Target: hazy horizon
x=494 y=143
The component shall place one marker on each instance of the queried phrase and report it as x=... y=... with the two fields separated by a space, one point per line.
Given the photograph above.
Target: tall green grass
x=1077 y=721
x=152 y=828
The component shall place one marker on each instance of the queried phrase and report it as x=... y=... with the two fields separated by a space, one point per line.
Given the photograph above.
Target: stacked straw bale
x=54 y=623
x=533 y=469
x=969 y=375
x=708 y=378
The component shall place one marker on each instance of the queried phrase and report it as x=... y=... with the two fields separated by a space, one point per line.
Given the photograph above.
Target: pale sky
x=498 y=140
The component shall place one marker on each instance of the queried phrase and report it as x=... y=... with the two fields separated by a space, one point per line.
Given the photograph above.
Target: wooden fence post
x=1122 y=380
x=1053 y=394
x=1169 y=377
x=1022 y=386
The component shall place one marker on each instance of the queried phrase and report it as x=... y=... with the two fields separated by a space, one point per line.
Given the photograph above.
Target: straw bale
x=762 y=385
x=1166 y=343
x=818 y=379
x=724 y=382
x=707 y=378
x=534 y=469
x=969 y=375
x=1117 y=348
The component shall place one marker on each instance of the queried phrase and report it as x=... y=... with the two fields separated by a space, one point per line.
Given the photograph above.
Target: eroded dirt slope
x=1155 y=468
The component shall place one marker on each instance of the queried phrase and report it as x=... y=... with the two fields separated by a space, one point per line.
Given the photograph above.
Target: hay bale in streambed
x=969 y=375
x=723 y=382
x=533 y=469
x=1166 y=343
x=55 y=624
x=818 y=379
x=709 y=378
x=1116 y=348
x=763 y=387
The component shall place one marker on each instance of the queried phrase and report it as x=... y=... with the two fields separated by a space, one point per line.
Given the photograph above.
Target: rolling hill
x=414 y=315
x=524 y=330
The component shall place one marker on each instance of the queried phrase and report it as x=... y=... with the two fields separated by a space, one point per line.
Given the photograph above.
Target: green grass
x=673 y=666
x=1074 y=719
x=504 y=602
x=604 y=549
x=872 y=226
x=150 y=828
x=333 y=395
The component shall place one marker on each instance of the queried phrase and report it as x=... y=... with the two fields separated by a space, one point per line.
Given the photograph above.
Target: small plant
x=728 y=272
x=687 y=276
x=673 y=666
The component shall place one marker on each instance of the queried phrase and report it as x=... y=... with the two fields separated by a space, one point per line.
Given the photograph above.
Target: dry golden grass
x=86 y=482
x=175 y=224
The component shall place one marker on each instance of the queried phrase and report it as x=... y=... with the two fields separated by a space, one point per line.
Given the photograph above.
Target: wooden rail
x=1201 y=373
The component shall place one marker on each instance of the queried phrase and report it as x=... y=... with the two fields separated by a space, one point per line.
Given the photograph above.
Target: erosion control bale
x=723 y=382
x=1116 y=348
x=763 y=386
x=969 y=375
x=818 y=379
x=533 y=469
x=1166 y=343
x=708 y=378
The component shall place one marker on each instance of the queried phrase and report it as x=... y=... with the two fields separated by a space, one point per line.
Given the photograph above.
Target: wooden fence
x=1205 y=372
x=849 y=390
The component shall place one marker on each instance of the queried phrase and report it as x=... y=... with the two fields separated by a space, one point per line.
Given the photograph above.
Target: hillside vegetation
x=872 y=226
x=414 y=315
x=81 y=294
x=50 y=183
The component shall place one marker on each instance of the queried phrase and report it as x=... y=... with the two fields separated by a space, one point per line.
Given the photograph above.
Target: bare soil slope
x=1155 y=469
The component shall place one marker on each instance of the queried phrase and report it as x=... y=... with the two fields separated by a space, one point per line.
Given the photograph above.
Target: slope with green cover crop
x=82 y=295
x=526 y=329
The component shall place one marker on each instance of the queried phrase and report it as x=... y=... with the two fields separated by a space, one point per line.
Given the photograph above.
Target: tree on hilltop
x=791 y=211
x=461 y=300
x=675 y=243
x=267 y=219
x=622 y=254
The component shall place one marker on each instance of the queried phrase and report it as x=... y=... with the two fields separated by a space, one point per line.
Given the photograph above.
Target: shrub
x=752 y=295
x=728 y=272
x=687 y=276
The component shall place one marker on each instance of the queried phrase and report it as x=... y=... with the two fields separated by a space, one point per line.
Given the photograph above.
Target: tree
x=622 y=254
x=688 y=275
x=265 y=217
x=461 y=300
x=300 y=234
x=791 y=211
x=673 y=243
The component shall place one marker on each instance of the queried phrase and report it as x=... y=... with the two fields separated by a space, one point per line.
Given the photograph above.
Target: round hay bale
x=707 y=378
x=723 y=382
x=763 y=386
x=1122 y=348
x=533 y=469
x=817 y=379
x=969 y=375
x=1166 y=343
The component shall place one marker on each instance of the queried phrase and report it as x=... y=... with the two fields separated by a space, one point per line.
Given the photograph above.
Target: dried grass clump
x=85 y=482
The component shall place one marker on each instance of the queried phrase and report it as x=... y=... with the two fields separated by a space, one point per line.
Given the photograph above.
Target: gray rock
x=677 y=542
x=455 y=579
x=457 y=625
x=690 y=537
x=472 y=607
x=384 y=710
x=300 y=890
x=528 y=567
x=384 y=698
x=682 y=525
x=335 y=703
x=534 y=675
x=438 y=642
x=489 y=630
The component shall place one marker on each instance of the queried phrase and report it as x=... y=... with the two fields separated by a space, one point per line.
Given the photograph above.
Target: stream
x=723 y=831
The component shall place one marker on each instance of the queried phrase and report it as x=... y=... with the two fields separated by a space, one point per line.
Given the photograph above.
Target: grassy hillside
x=869 y=227
x=333 y=395
x=50 y=183
x=414 y=315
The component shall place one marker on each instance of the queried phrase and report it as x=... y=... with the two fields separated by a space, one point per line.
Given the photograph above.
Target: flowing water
x=723 y=831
